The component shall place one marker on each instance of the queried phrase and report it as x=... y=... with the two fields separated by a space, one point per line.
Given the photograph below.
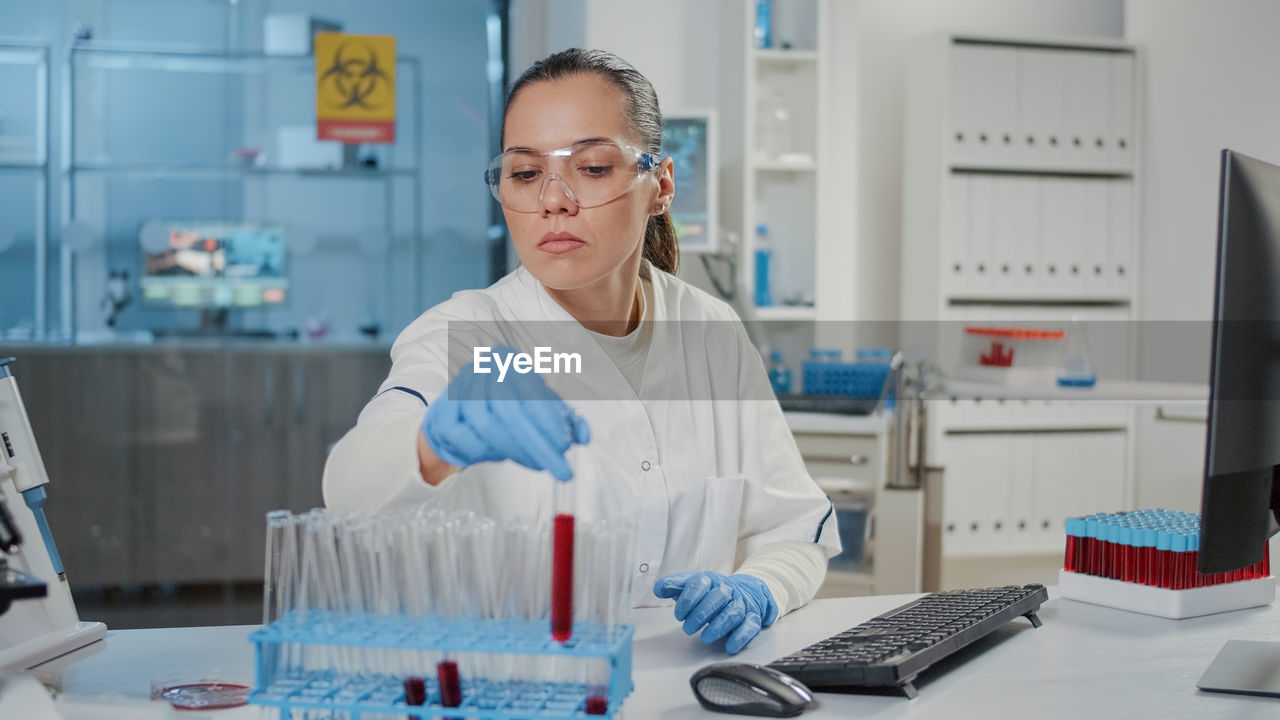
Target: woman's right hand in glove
x=479 y=419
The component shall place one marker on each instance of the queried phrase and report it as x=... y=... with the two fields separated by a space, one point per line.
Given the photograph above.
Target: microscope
x=38 y=619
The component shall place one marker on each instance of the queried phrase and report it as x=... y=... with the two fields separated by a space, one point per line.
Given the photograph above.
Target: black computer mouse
x=746 y=689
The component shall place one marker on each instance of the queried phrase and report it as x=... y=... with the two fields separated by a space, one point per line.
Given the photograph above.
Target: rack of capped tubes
x=427 y=614
x=1151 y=547
x=1145 y=561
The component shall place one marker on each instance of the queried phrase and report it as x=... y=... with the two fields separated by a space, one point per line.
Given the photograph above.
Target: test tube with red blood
x=562 y=562
x=450 y=683
x=1128 y=554
x=1147 y=558
x=1165 y=559
x=1070 y=560
x=1087 y=546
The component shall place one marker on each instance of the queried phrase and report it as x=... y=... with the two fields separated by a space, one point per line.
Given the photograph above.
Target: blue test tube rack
x=289 y=689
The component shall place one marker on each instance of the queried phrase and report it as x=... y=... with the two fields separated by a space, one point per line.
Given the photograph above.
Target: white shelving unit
x=1020 y=182
x=782 y=169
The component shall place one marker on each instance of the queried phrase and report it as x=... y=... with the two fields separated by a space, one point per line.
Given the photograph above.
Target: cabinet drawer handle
x=1161 y=414
x=859 y=459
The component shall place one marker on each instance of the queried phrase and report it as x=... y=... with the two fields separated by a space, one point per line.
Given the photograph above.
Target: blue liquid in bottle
x=763 y=32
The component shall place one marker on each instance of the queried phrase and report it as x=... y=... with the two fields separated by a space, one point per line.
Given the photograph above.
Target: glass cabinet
x=24 y=187
x=153 y=140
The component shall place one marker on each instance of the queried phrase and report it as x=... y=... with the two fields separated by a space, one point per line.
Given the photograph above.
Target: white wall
x=1210 y=84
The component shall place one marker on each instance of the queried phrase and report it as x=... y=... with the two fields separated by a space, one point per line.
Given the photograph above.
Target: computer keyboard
x=838 y=404
x=892 y=649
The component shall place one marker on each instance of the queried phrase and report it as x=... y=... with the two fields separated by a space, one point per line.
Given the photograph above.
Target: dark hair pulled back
x=643 y=116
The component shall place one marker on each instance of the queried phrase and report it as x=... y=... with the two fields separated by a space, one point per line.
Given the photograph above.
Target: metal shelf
x=204 y=172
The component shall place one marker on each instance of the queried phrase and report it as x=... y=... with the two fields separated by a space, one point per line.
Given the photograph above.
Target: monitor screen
x=688 y=139
x=212 y=265
x=1242 y=451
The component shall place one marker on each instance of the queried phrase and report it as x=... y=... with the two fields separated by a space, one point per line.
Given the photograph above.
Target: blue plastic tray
x=359 y=693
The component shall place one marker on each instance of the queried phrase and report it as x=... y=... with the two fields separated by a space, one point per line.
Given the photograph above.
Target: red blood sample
x=450 y=686
x=1070 y=563
x=415 y=691
x=562 y=579
x=597 y=705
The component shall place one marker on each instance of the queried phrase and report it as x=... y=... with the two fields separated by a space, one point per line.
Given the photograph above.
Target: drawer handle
x=859 y=459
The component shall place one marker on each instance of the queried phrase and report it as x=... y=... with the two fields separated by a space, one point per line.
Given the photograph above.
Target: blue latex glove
x=482 y=420
x=733 y=605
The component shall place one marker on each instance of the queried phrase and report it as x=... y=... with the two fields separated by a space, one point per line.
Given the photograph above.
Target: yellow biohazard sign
x=355 y=87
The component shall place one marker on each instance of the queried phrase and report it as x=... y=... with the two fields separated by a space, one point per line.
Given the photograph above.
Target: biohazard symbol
x=357 y=77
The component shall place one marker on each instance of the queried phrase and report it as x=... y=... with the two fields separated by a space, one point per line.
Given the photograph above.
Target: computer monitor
x=212 y=265
x=1240 y=498
x=689 y=140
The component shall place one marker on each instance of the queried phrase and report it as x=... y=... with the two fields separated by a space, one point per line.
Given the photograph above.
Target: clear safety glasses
x=590 y=174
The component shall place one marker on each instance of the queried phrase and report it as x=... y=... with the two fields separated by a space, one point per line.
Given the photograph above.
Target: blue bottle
x=779 y=374
x=764 y=258
x=763 y=33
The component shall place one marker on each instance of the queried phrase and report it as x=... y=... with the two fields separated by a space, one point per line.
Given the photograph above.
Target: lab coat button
x=644 y=567
x=645 y=466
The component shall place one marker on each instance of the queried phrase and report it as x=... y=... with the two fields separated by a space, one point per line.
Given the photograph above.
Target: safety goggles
x=590 y=174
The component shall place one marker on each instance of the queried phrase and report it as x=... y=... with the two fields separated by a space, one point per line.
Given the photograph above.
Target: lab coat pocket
x=721 y=510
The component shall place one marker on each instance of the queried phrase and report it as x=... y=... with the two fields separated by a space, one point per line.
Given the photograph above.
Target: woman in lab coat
x=669 y=423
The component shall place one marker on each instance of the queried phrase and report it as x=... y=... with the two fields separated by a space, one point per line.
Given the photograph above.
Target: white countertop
x=1086 y=661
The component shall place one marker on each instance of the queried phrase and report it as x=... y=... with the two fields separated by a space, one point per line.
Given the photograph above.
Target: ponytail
x=660 y=245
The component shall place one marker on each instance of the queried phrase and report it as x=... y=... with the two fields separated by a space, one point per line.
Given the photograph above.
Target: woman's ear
x=666 y=186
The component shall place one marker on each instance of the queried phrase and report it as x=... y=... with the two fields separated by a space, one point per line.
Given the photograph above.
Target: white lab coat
x=707 y=476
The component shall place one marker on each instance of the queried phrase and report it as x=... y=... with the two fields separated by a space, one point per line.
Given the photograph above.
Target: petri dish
x=210 y=691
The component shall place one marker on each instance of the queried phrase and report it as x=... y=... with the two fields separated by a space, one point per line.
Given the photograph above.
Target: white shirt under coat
x=700 y=458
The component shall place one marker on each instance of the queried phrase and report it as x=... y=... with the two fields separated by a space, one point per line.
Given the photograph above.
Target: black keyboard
x=890 y=650
x=838 y=404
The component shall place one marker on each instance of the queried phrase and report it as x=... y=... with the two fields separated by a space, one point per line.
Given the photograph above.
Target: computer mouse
x=746 y=689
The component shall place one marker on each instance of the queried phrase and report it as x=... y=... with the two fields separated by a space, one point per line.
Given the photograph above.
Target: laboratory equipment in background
x=762 y=32
x=1076 y=369
x=825 y=373
x=764 y=261
x=779 y=373
x=45 y=626
x=689 y=139
x=830 y=385
x=117 y=296
x=1010 y=355
x=212 y=266
x=293 y=33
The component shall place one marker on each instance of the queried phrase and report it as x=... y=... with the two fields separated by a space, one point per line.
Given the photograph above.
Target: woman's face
x=564 y=246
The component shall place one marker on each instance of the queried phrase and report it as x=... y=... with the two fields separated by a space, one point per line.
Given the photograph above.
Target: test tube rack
x=359 y=693
x=1145 y=561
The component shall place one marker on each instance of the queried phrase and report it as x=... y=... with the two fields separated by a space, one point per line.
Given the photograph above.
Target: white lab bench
x=1085 y=661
